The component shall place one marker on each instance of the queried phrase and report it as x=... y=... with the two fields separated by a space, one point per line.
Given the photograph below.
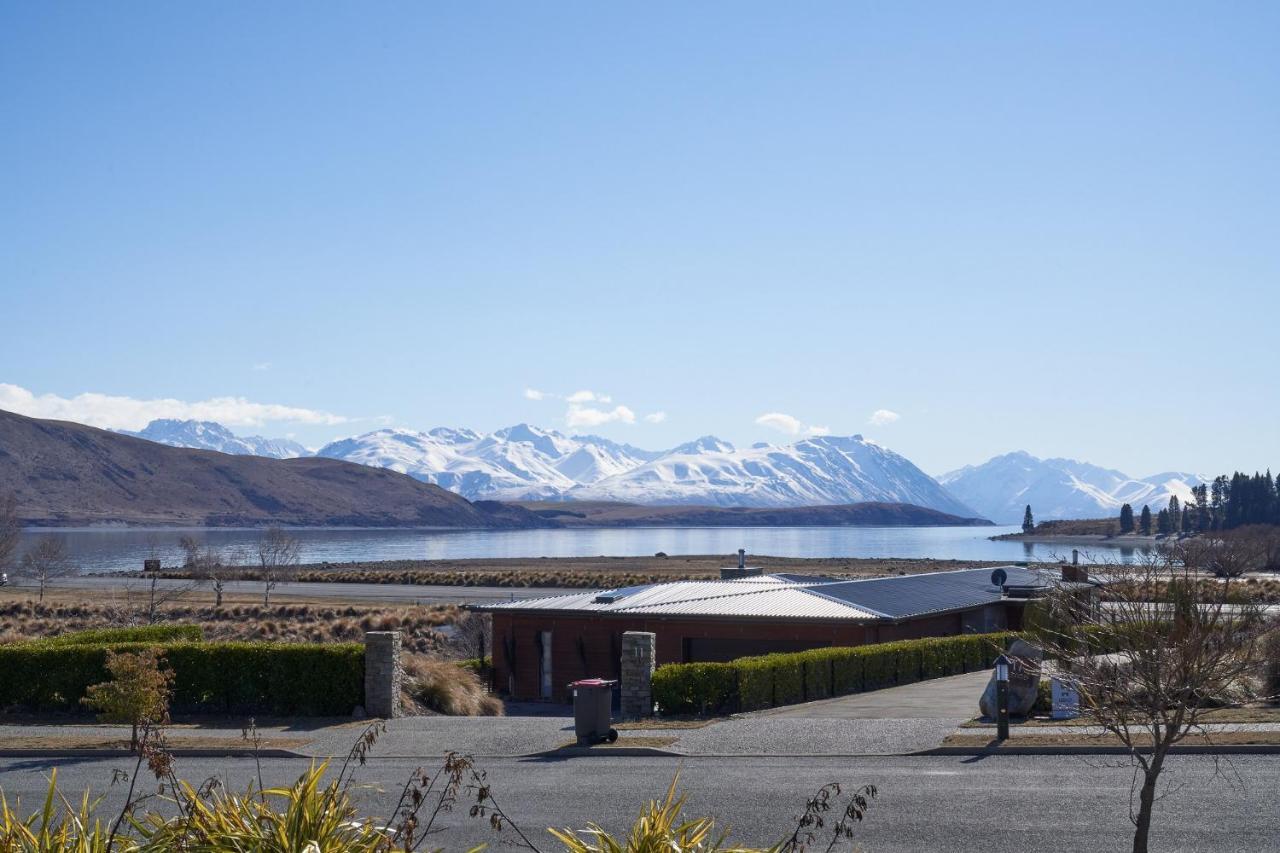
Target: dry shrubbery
x=1250 y=589
x=283 y=623
x=433 y=685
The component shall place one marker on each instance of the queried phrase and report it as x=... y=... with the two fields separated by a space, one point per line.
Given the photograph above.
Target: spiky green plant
x=275 y=820
x=59 y=827
x=659 y=829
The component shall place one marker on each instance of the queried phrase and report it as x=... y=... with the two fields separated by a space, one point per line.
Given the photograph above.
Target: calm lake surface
x=116 y=549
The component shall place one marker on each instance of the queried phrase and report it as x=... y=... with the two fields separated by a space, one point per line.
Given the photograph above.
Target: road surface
x=1006 y=804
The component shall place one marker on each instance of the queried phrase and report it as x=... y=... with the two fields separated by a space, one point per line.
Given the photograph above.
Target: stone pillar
x=382 y=674
x=638 y=654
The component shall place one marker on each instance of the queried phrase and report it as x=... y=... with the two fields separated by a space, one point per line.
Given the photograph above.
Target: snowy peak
x=706 y=444
x=813 y=472
x=1059 y=488
x=207 y=435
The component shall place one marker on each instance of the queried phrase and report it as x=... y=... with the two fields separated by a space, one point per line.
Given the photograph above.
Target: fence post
x=382 y=674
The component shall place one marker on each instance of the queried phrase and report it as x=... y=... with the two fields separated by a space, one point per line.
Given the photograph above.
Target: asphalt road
x=365 y=592
x=1009 y=804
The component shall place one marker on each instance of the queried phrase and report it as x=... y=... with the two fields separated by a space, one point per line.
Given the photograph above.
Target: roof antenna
x=742 y=558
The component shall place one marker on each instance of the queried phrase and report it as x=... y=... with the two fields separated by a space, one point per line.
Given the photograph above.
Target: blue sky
x=1010 y=225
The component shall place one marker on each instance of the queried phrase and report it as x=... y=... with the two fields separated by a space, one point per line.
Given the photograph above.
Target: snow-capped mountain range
x=207 y=435
x=1001 y=488
x=527 y=463
x=524 y=462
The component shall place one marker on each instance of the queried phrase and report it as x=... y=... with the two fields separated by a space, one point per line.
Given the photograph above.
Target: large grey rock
x=1024 y=681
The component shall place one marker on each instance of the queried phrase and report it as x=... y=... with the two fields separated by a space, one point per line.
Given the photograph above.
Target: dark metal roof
x=906 y=596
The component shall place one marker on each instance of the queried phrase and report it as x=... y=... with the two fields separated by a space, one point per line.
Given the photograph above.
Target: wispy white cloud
x=587 y=416
x=781 y=422
x=114 y=412
x=790 y=425
x=587 y=408
x=883 y=417
x=588 y=397
x=262 y=365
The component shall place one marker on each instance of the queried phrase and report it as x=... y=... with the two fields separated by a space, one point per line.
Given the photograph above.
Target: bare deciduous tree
x=216 y=567
x=1179 y=643
x=278 y=558
x=1227 y=555
x=46 y=560
x=190 y=550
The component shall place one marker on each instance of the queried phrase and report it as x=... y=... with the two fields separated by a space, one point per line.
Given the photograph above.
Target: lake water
x=115 y=549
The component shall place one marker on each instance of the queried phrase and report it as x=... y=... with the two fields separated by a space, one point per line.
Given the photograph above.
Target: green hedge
x=749 y=684
x=139 y=634
x=275 y=679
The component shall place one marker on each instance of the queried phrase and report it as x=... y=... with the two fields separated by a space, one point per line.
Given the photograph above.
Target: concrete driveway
x=951 y=698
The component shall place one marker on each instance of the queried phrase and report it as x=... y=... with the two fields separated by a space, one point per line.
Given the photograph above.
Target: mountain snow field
x=524 y=462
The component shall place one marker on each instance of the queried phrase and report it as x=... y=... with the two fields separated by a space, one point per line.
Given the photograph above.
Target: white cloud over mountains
x=883 y=417
x=790 y=425
x=113 y=412
x=586 y=408
x=588 y=416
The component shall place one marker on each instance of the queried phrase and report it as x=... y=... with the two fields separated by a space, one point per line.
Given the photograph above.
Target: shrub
x=276 y=679
x=1271 y=676
x=137 y=634
x=752 y=683
x=137 y=693
x=446 y=688
x=755 y=683
x=696 y=688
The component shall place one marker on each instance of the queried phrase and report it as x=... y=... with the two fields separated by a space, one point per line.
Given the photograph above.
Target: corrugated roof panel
x=800 y=596
x=903 y=596
x=779 y=603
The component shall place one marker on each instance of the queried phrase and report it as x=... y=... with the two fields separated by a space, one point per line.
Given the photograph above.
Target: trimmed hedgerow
x=752 y=683
x=136 y=634
x=277 y=679
x=696 y=688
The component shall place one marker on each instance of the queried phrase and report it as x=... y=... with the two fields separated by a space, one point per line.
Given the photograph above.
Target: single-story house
x=542 y=644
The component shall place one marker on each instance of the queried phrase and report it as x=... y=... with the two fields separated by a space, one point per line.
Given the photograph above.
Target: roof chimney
x=1075 y=573
x=742 y=570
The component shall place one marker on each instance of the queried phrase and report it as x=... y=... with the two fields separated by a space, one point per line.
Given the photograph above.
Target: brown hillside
x=70 y=474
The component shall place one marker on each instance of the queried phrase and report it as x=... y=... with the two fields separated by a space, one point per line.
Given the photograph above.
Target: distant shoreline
x=1117 y=541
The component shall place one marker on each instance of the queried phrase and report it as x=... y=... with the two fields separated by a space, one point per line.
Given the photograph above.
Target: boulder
x=1024 y=681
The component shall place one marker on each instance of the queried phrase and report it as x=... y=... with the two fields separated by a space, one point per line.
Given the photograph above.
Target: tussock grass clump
x=293 y=623
x=435 y=685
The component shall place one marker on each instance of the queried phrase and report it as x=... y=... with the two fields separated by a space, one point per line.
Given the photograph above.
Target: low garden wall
x=275 y=679
x=749 y=684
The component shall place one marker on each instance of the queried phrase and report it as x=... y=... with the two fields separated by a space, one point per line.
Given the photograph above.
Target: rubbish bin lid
x=593 y=682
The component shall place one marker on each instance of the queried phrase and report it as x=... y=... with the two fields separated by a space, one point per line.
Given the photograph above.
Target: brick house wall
x=590 y=646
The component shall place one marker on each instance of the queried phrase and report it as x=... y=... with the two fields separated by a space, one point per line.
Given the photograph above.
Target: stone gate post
x=638 y=656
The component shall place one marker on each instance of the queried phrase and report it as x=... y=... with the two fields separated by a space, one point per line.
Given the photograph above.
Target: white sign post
x=1066 y=700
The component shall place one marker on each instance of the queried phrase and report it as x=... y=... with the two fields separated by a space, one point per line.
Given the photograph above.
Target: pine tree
x=1126 y=519
x=1175 y=515
x=1028 y=522
x=1144 y=520
x=1162 y=522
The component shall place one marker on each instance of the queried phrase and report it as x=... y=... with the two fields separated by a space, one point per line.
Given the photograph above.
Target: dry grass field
x=589 y=572
x=285 y=622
